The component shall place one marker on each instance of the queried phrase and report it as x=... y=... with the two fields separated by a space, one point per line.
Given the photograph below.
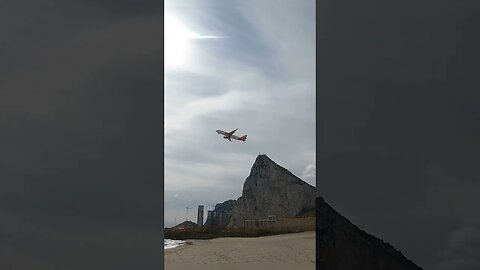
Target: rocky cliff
x=343 y=246
x=271 y=190
x=224 y=207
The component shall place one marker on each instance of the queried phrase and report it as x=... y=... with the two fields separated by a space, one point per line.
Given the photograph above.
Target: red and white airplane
x=229 y=135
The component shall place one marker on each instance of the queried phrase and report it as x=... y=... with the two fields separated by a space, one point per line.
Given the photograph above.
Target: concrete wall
x=284 y=224
x=295 y=223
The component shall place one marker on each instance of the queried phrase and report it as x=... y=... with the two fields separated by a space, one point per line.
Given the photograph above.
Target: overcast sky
x=399 y=124
x=235 y=64
x=80 y=134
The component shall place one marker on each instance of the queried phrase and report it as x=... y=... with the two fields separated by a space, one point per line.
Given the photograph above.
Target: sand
x=280 y=252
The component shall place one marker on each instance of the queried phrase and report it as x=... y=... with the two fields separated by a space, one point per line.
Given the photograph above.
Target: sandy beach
x=279 y=252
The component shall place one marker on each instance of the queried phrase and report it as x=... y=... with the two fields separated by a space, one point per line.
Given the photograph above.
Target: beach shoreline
x=284 y=251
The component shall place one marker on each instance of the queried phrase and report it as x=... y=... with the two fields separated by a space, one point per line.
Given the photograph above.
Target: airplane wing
x=233 y=131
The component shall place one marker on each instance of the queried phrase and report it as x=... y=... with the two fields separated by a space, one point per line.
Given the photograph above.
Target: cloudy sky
x=399 y=124
x=80 y=134
x=235 y=64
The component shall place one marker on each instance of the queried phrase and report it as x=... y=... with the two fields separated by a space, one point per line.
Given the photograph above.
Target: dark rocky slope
x=343 y=246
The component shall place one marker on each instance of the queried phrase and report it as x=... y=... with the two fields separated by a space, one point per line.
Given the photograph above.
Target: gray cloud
x=398 y=143
x=79 y=131
x=462 y=251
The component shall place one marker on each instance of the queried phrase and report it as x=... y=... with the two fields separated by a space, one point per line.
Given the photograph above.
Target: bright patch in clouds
x=178 y=42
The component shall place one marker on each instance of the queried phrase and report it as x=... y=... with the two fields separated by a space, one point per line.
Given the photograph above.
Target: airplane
x=229 y=135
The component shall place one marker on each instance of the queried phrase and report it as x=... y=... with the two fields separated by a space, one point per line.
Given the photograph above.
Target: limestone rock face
x=340 y=245
x=224 y=207
x=271 y=190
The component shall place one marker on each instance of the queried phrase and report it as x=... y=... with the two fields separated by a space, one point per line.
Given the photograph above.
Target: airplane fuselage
x=229 y=135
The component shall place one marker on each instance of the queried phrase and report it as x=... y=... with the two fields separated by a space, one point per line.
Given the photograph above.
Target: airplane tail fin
x=243 y=138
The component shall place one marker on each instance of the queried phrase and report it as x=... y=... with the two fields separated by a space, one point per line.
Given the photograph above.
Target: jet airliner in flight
x=229 y=135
